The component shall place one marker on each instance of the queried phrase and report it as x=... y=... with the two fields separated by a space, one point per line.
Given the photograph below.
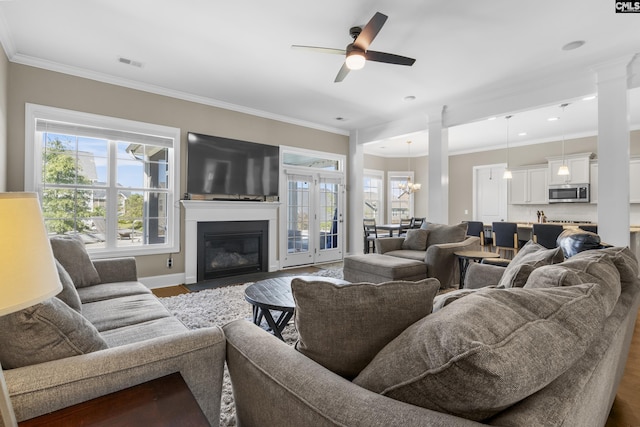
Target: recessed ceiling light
x=522 y=134
x=553 y=119
x=340 y=119
x=410 y=98
x=573 y=45
x=492 y=118
x=589 y=98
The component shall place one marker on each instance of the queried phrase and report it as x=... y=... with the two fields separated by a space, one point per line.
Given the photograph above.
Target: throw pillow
x=69 y=294
x=490 y=349
x=576 y=270
x=73 y=256
x=47 y=331
x=443 y=233
x=416 y=240
x=530 y=257
x=342 y=327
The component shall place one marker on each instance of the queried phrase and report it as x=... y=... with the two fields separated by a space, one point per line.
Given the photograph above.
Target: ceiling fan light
x=563 y=170
x=355 y=60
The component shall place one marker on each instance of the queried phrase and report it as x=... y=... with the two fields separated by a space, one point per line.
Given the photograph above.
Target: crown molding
x=158 y=90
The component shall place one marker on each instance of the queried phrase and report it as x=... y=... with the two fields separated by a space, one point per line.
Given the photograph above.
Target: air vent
x=131 y=62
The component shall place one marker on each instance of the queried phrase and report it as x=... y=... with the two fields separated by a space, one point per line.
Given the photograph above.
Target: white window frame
x=378 y=174
x=393 y=176
x=33 y=169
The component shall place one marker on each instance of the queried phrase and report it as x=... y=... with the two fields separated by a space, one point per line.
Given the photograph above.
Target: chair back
x=369 y=225
x=476 y=228
x=547 y=234
x=417 y=222
x=590 y=228
x=405 y=224
x=505 y=236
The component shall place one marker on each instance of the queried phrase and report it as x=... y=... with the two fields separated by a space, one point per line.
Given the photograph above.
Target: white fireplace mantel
x=205 y=211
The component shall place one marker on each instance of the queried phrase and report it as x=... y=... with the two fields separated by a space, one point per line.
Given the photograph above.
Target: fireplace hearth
x=229 y=248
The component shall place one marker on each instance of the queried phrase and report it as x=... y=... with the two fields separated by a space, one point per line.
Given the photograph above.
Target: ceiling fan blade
x=342 y=73
x=388 y=58
x=320 y=49
x=370 y=31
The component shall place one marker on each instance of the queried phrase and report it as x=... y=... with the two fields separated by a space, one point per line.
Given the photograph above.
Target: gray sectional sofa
x=109 y=333
x=551 y=352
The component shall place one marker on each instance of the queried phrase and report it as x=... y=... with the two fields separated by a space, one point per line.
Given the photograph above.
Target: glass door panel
x=329 y=218
x=300 y=242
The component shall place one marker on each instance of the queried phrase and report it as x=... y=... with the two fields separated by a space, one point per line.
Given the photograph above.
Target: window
x=400 y=202
x=111 y=181
x=374 y=195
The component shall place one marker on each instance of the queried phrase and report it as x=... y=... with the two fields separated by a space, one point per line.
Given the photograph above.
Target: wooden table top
x=476 y=254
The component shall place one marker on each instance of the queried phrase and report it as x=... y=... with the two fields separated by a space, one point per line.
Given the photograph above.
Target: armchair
x=442 y=242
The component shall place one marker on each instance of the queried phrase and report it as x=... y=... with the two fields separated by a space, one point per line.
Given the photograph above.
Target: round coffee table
x=465 y=257
x=275 y=295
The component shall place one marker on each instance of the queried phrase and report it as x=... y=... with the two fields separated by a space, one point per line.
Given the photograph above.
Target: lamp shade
x=28 y=273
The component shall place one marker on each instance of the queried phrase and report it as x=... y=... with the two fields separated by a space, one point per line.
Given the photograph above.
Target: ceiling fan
x=357 y=52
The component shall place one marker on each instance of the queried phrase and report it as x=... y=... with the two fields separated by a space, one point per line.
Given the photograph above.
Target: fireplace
x=198 y=211
x=229 y=248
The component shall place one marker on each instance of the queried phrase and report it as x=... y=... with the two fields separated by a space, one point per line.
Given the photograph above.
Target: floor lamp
x=28 y=273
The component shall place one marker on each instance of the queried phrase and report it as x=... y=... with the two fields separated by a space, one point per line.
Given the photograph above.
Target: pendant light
x=564 y=169
x=409 y=187
x=507 y=172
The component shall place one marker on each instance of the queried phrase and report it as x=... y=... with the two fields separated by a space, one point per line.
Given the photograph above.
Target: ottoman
x=378 y=268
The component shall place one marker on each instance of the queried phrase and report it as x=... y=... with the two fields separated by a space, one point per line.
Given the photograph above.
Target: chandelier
x=409 y=187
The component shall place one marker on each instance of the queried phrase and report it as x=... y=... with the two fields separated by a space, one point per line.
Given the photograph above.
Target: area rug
x=217 y=307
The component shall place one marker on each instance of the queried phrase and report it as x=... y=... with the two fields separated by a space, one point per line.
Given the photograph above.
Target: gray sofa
x=274 y=384
x=440 y=243
x=143 y=342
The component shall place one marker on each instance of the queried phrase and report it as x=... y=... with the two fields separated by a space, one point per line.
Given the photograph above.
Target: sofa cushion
x=576 y=270
x=47 y=331
x=342 y=327
x=124 y=311
x=531 y=256
x=443 y=233
x=490 y=349
x=624 y=260
x=71 y=253
x=69 y=293
x=416 y=240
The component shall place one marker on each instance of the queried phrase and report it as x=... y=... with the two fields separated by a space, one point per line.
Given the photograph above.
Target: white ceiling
x=237 y=55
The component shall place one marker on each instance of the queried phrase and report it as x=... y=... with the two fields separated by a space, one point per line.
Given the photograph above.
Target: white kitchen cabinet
x=593 y=188
x=578 y=165
x=528 y=186
x=634 y=181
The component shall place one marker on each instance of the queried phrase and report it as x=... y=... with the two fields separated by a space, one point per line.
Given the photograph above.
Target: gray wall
x=38 y=86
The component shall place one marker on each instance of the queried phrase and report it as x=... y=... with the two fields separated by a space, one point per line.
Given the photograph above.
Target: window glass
x=116 y=193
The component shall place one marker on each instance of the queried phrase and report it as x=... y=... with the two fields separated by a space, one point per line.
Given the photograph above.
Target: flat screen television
x=228 y=167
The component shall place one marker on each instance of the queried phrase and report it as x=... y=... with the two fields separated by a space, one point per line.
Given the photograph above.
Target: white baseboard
x=154 y=282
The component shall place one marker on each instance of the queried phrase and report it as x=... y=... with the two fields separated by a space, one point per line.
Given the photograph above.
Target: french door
x=313 y=219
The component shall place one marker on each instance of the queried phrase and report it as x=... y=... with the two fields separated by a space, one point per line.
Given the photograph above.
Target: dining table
x=390 y=228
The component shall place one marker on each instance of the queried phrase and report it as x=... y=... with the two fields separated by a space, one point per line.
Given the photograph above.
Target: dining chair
x=405 y=224
x=417 y=222
x=505 y=238
x=476 y=228
x=547 y=234
x=591 y=228
x=370 y=235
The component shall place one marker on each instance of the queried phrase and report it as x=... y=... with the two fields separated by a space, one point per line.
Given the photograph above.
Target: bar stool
x=547 y=234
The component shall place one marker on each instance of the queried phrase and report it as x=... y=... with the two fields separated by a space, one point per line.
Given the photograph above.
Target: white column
x=438 y=168
x=613 y=152
x=355 y=196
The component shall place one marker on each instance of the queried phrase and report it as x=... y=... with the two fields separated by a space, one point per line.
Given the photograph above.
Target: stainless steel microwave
x=569 y=193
